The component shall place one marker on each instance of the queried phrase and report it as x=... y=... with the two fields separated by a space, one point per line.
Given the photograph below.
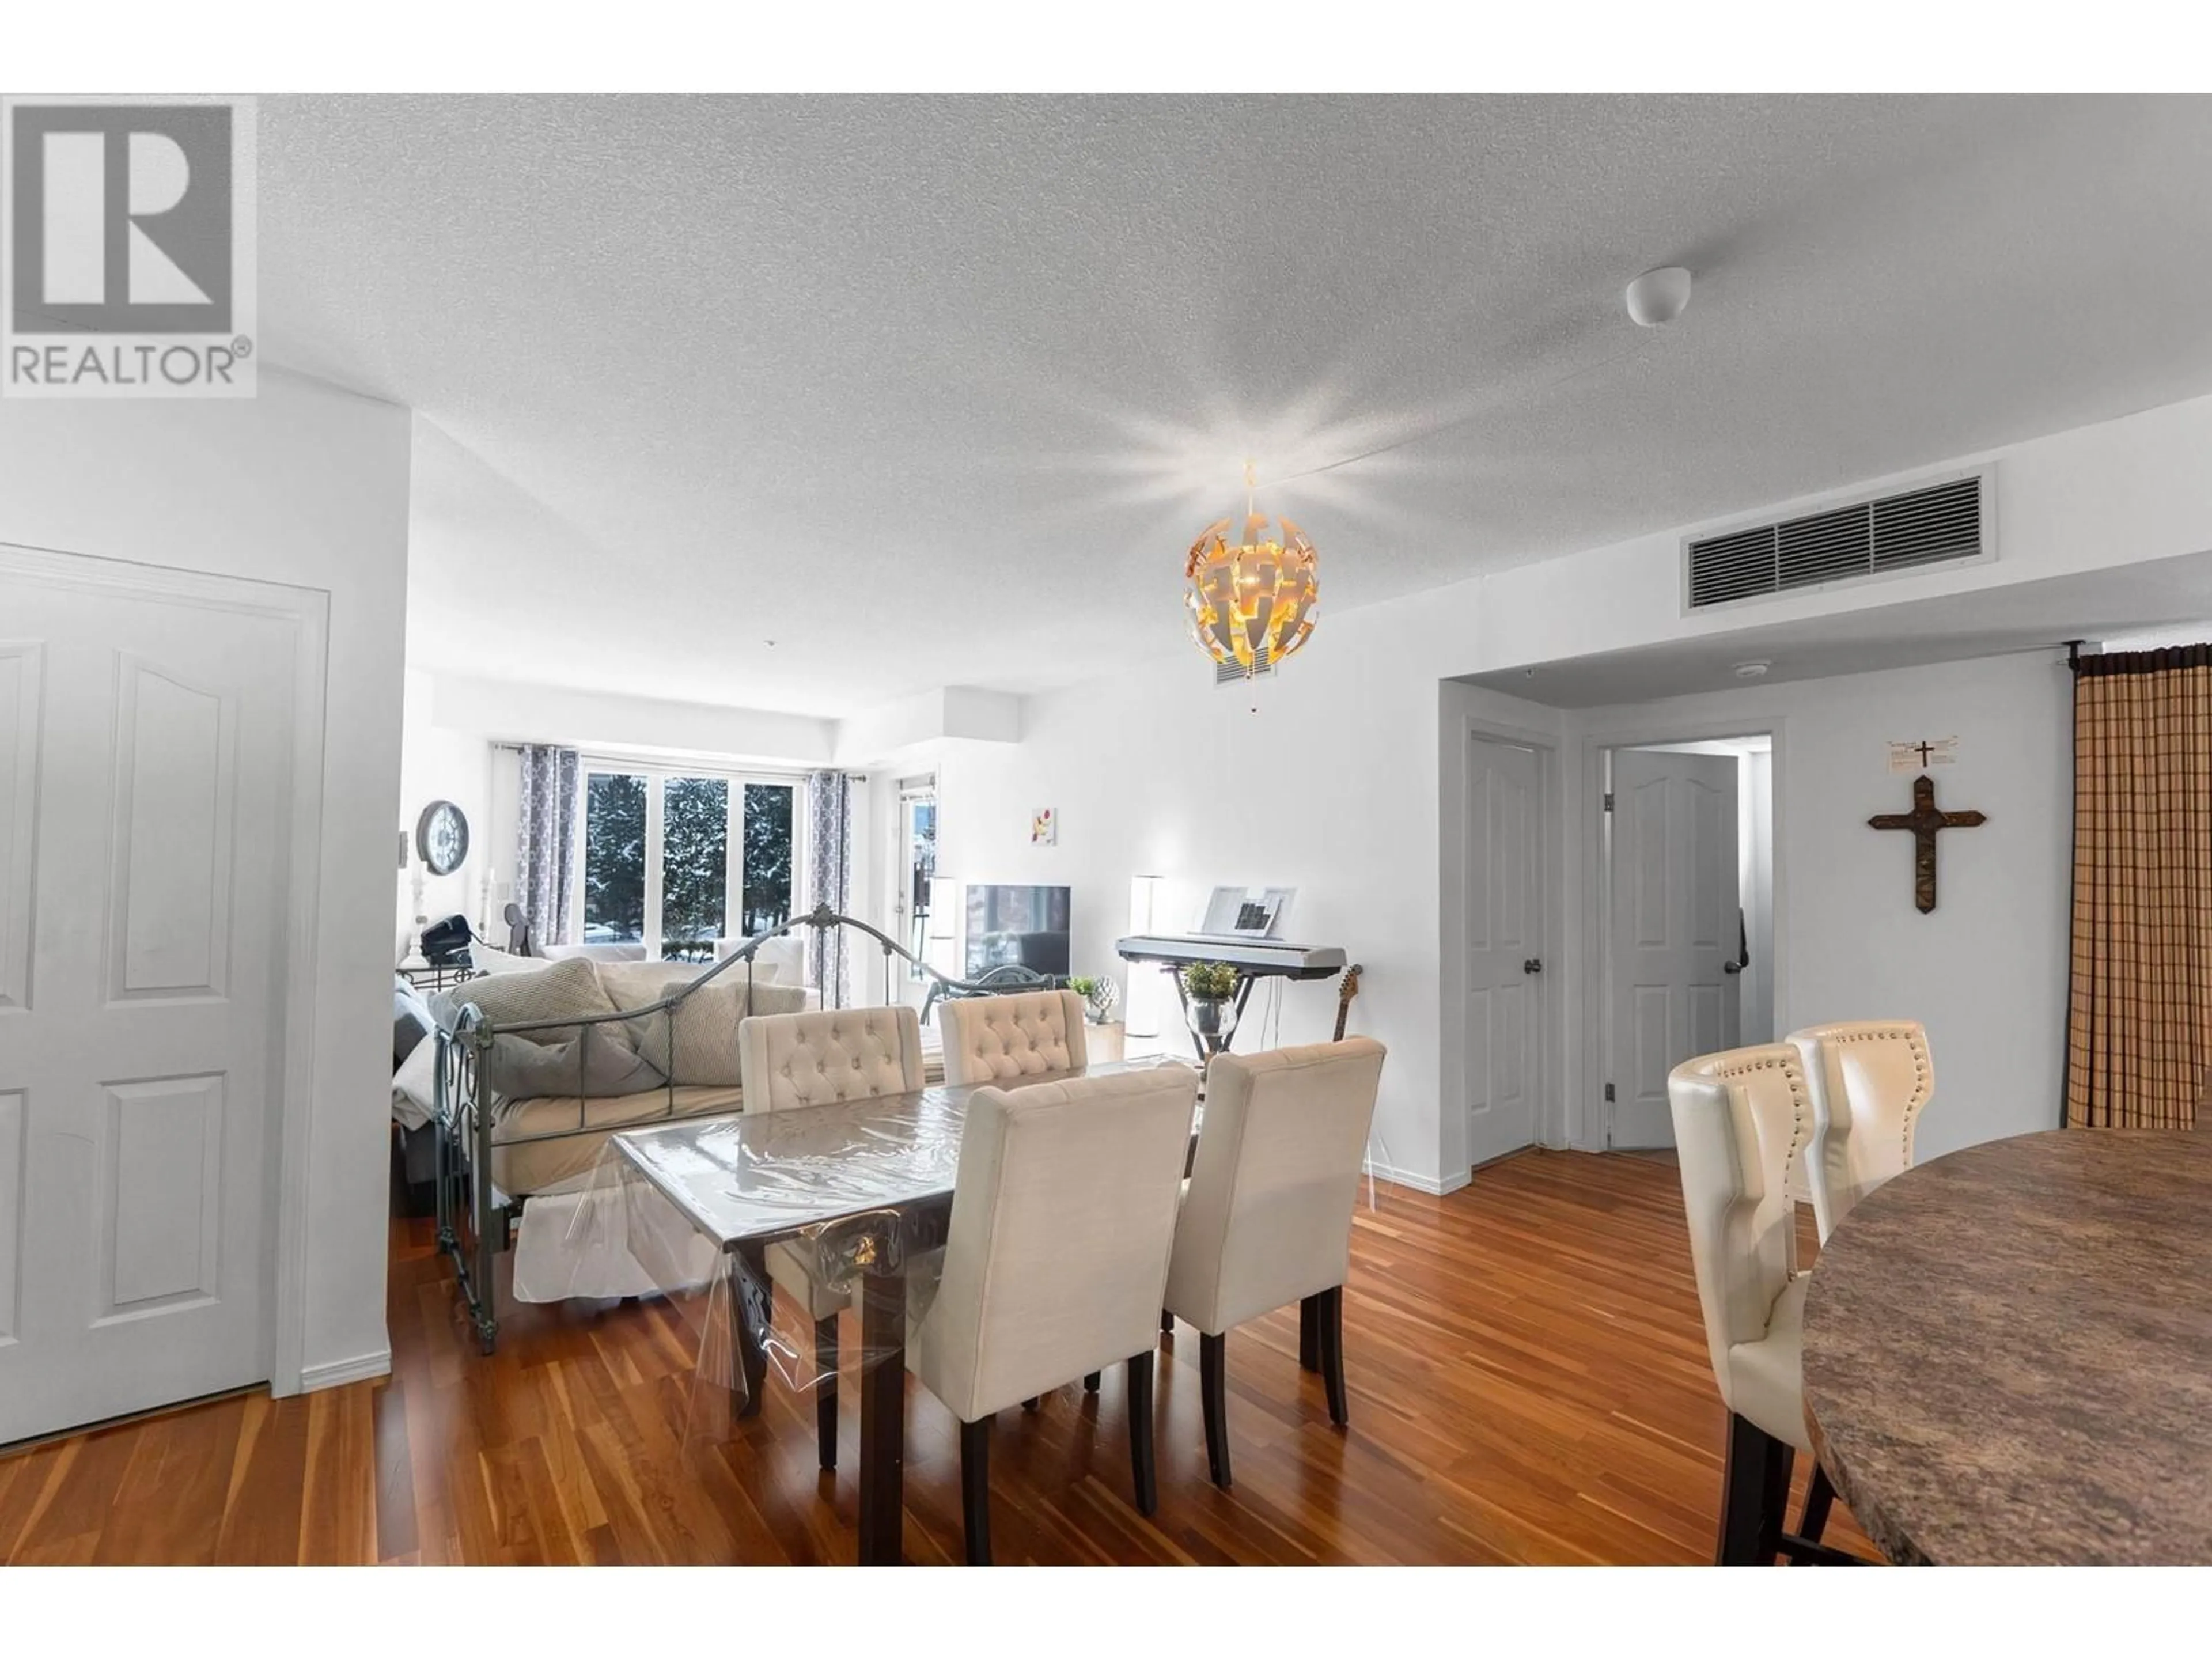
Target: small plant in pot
x=1099 y=995
x=1209 y=1003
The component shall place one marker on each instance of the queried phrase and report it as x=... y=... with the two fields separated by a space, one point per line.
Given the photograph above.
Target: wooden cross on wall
x=1924 y=821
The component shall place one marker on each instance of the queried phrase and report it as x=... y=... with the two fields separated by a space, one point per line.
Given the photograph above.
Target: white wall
x=439 y=764
x=1986 y=971
x=609 y=720
x=307 y=486
x=1758 y=834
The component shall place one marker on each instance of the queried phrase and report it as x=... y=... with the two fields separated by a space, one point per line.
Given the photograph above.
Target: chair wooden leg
x=1819 y=1498
x=1213 y=1392
x=1167 y=1323
x=1090 y=1382
x=1309 y=1333
x=1331 y=1323
x=1755 y=1490
x=1141 y=1468
x=976 y=1489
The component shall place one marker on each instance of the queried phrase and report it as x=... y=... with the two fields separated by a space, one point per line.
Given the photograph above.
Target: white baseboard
x=337 y=1373
x=1419 y=1183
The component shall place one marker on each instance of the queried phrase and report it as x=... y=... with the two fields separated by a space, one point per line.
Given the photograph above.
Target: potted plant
x=1099 y=995
x=1209 y=1003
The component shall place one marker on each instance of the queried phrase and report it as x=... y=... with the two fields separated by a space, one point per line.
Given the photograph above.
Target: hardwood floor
x=1528 y=1384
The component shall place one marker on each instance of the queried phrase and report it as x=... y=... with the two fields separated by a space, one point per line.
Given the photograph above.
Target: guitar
x=1345 y=993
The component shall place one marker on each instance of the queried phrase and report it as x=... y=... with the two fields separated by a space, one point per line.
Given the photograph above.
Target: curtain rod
x=2164 y=659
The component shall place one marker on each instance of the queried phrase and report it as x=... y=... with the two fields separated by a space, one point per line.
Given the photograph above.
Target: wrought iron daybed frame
x=475 y=1219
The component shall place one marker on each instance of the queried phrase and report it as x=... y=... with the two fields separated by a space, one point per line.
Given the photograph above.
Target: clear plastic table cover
x=817 y=1196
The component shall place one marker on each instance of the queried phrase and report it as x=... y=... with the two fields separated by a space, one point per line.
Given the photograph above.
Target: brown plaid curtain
x=2139 y=1015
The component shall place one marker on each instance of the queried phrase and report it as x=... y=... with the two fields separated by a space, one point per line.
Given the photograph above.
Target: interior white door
x=145 y=812
x=1505 y=956
x=1675 y=928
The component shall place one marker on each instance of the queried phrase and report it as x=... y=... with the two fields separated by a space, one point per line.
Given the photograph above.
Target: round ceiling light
x=1751 y=670
x=1658 y=297
x=1252 y=602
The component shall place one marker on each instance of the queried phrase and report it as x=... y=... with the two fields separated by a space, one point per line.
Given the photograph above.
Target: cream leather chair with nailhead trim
x=1740 y=1117
x=1011 y=1040
x=813 y=1059
x=1870 y=1080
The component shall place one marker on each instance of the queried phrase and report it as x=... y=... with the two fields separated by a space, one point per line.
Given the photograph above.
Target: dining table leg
x=751 y=1306
x=883 y=1419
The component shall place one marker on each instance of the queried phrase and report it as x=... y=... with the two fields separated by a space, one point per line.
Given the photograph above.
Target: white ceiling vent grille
x=1229 y=673
x=1934 y=524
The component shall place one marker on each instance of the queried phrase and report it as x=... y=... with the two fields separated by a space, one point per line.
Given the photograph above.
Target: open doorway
x=915 y=919
x=1688 y=946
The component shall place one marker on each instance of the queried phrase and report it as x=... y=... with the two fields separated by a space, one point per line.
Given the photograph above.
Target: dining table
x=2008 y=1353
x=865 y=1186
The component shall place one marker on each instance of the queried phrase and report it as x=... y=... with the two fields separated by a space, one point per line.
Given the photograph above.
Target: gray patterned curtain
x=546 y=851
x=829 y=880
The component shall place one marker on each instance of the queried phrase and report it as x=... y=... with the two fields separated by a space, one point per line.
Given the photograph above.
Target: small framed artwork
x=1044 y=827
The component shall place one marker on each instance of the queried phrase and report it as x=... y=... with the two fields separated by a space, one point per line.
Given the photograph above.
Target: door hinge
x=1608 y=800
x=1608 y=1093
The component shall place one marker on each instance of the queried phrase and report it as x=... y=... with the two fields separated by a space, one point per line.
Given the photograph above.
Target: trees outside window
x=614 y=858
x=768 y=856
x=675 y=861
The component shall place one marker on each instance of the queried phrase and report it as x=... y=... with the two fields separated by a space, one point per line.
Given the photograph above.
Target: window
x=677 y=861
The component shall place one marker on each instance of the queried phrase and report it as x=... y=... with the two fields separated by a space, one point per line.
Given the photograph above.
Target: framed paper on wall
x=1044 y=827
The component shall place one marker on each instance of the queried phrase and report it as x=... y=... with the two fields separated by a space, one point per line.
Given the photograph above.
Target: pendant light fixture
x=1252 y=602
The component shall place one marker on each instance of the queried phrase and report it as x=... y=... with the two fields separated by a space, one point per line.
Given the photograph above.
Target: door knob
x=1731 y=967
x=1532 y=965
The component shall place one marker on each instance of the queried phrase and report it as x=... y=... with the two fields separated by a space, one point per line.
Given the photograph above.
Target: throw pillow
x=486 y=960
x=557 y=990
x=410 y=1021
x=704 y=1026
x=592 y=1068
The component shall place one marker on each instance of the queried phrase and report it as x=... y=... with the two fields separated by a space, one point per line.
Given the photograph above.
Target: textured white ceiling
x=935 y=390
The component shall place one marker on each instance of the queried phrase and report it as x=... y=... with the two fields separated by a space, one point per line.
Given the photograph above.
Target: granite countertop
x=2009 y=1352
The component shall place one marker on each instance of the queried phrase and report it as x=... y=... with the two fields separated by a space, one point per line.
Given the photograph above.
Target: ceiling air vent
x=1934 y=525
x=1228 y=673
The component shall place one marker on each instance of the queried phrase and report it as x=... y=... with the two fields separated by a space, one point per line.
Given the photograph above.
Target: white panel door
x=1505 y=935
x=145 y=805
x=1676 y=929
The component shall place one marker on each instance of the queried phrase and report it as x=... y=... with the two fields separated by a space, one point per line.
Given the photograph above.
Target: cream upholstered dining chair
x=807 y=1060
x=1870 y=1080
x=1056 y=1258
x=1267 y=1216
x=1739 y=1118
x=1011 y=1039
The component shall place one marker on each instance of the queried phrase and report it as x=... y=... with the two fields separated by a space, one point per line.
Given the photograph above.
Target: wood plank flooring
x=1528 y=1384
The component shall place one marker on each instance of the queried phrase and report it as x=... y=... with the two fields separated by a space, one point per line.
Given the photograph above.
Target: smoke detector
x=1658 y=297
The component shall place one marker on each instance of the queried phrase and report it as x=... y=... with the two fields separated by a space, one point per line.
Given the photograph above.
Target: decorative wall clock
x=441 y=837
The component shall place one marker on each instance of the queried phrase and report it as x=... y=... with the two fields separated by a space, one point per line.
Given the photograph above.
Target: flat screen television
x=1024 y=925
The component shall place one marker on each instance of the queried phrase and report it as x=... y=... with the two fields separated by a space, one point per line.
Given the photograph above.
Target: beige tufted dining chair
x=1011 y=1039
x=1056 y=1258
x=1267 y=1219
x=1870 y=1080
x=1739 y=1118
x=786 y=1061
